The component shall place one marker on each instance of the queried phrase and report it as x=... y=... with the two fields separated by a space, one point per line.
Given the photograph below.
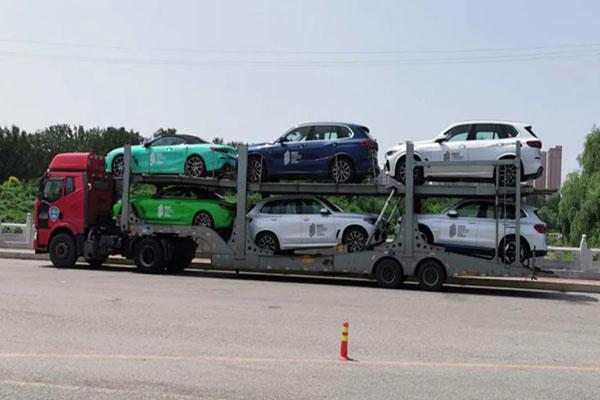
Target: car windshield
x=329 y=204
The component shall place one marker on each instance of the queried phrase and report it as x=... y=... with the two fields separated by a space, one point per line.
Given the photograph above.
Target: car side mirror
x=452 y=213
x=440 y=139
x=147 y=144
x=324 y=211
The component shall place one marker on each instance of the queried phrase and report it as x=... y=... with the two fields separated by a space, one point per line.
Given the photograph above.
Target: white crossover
x=303 y=221
x=469 y=227
x=471 y=141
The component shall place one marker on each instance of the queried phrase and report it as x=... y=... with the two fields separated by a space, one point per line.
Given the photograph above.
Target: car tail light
x=535 y=144
x=540 y=228
x=368 y=144
x=219 y=149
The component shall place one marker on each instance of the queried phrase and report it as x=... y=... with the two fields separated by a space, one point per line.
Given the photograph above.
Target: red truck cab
x=75 y=198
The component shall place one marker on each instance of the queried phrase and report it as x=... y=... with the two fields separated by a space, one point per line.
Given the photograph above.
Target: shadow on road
x=356 y=282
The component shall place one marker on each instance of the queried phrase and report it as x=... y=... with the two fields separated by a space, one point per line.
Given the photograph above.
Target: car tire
x=389 y=274
x=508 y=174
x=268 y=241
x=431 y=275
x=507 y=249
x=257 y=171
x=355 y=239
x=149 y=256
x=341 y=170
x=400 y=173
x=118 y=165
x=195 y=166
x=425 y=234
x=63 y=251
x=204 y=219
x=96 y=262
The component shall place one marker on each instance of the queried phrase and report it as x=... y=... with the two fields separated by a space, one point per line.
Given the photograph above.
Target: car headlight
x=390 y=153
x=370 y=220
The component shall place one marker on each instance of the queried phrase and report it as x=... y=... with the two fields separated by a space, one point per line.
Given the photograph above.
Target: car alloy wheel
x=203 y=219
x=508 y=175
x=509 y=251
x=118 y=165
x=255 y=169
x=194 y=166
x=355 y=241
x=267 y=241
x=341 y=171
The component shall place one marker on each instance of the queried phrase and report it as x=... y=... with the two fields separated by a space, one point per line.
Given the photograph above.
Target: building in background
x=552 y=163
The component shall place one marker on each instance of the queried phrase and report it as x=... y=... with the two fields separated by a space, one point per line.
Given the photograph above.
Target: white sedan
x=303 y=221
x=471 y=141
x=469 y=227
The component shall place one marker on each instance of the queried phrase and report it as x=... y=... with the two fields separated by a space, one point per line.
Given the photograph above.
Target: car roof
x=350 y=124
x=290 y=197
x=184 y=136
x=488 y=121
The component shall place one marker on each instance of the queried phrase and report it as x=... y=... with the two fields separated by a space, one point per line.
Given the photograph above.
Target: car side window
x=489 y=132
x=508 y=212
x=298 y=134
x=167 y=141
x=308 y=206
x=53 y=189
x=487 y=211
x=459 y=133
x=279 y=207
x=509 y=131
x=468 y=210
x=324 y=132
x=343 y=132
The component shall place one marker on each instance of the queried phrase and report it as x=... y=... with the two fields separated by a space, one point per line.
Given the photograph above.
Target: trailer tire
x=389 y=274
x=431 y=275
x=182 y=259
x=63 y=251
x=149 y=256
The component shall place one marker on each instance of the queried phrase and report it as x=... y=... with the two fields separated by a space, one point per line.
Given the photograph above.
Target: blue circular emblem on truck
x=54 y=213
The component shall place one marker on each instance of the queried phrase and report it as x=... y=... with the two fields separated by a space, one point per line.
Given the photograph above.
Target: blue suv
x=341 y=152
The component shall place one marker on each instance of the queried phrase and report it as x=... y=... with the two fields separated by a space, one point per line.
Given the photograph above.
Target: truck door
x=58 y=204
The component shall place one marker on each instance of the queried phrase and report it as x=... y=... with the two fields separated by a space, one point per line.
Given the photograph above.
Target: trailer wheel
x=96 y=262
x=431 y=275
x=389 y=274
x=149 y=256
x=63 y=252
x=182 y=258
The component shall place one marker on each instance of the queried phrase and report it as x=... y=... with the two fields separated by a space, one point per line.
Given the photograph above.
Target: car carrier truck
x=73 y=218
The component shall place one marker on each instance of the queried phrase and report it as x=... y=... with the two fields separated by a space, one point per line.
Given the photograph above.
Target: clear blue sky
x=266 y=65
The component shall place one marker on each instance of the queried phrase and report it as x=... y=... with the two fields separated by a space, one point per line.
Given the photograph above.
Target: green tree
x=579 y=207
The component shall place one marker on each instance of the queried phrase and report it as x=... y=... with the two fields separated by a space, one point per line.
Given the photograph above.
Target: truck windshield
x=52 y=189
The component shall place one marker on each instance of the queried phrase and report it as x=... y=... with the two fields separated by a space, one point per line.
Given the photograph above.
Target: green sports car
x=176 y=154
x=183 y=205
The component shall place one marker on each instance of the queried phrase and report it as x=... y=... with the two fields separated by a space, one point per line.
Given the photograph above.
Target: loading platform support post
x=409 y=193
x=240 y=220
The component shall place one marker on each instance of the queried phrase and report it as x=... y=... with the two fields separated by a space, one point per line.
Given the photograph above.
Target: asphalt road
x=114 y=334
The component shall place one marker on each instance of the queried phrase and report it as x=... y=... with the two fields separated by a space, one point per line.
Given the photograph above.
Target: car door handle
x=305 y=219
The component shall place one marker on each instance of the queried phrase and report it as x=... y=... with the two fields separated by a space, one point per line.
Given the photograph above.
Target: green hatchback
x=183 y=205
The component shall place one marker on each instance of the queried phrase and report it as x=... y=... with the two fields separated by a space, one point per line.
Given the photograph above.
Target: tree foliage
x=27 y=155
x=579 y=208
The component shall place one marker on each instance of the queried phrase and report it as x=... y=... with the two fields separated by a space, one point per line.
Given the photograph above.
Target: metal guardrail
x=17 y=235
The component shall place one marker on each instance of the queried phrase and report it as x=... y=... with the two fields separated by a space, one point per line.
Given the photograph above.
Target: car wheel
x=63 y=252
x=400 y=173
x=507 y=175
x=267 y=241
x=425 y=234
x=256 y=169
x=149 y=256
x=341 y=170
x=195 y=167
x=389 y=274
x=508 y=249
x=431 y=275
x=118 y=165
x=355 y=239
x=203 y=219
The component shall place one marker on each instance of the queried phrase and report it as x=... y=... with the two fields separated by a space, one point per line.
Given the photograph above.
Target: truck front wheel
x=149 y=256
x=63 y=252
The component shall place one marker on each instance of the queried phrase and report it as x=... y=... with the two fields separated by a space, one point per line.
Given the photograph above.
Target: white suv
x=471 y=141
x=469 y=227
x=303 y=221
